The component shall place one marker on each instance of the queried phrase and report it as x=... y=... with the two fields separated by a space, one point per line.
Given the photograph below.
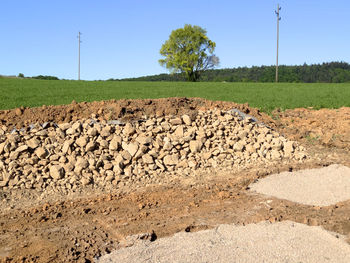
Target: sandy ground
x=319 y=187
x=263 y=242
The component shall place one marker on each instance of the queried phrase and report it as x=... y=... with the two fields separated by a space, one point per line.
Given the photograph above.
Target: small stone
x=82 y=163
x=196 y=146
x=144 y=140
x=76 y=126
x=66 y=146
x=41 y=152
x=171 y=159
x=114 y=144
x=106 y=131
x=147 y=159
x=56 y=172
x=85 y=181
x=90 y=146
x=288 y=148
x=238 y=146
x=176 y=121
x=186 y=119
x=82 y=141
x=179 y=132
x=132 y=148
x=64 y=126
x=22 y=148
x=92 y=132
x=128 y=129
x=18 y=111
x=33 y=143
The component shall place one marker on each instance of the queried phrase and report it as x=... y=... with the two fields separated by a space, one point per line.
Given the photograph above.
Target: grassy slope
x=266 y=96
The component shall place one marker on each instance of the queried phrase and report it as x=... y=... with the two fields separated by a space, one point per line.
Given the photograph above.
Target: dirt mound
x=119 y=109
x=329 y=127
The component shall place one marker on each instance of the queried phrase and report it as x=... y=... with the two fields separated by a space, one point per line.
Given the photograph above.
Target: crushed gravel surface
x=319 y=187
x=263 y=242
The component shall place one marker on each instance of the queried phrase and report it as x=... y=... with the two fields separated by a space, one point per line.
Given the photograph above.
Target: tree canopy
x=188 y=50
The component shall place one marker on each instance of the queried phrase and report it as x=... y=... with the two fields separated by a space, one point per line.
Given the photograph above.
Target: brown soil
x=325 y=126
x=82 y=228
x=121 y=109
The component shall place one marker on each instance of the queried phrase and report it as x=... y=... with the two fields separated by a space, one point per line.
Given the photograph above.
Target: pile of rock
x=70 y=155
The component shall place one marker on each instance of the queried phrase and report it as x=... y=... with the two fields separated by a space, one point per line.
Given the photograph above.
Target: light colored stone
x=175 y=121
x=82 y=141
x=144 y=140
x=132 y=148
x=41 y=152
x=90 y=146
x=187 y=120
x=33 y=143
x=288 y=147
x=147 y=159
x=128 y=129
x=56 y=172
x=82 y=163
x=114 y=144
x=239 y=146
x=22 y=148
x=196 y=146
x=170 y=160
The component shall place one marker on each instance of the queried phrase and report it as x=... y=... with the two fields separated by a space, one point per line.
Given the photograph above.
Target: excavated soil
x=119 y=109
x=93 y=222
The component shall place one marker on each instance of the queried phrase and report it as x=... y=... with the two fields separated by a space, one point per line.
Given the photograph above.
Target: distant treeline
x=45 y=77
x=333 y=72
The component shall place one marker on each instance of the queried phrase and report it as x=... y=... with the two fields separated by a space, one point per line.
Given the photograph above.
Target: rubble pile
x=86 y=152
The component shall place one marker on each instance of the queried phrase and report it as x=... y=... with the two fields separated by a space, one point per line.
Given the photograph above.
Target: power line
x=278 y=32
x=79 y=55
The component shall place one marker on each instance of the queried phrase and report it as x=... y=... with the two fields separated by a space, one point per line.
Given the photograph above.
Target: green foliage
x=45 y=77
x=21 y=75
x=333 y=72
x=265 y=96
x=188 y=50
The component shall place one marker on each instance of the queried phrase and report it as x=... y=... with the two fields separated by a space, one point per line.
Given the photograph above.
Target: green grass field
x=265 y=96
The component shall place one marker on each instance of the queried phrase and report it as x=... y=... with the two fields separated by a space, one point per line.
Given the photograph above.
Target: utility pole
x=79 y=55
x=278 y=33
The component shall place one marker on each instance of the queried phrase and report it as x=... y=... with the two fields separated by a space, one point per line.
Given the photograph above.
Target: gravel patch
x=319 y=187
x=264 y=242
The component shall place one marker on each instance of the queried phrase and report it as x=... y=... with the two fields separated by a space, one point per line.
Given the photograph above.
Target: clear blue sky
x=122 y=38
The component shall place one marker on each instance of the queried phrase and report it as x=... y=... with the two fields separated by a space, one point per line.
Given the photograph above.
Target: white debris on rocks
x=80 y=153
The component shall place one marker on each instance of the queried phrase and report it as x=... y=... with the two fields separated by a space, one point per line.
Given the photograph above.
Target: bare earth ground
x=84 y=226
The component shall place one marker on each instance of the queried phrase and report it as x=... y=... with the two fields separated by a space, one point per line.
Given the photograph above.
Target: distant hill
x=332 y=72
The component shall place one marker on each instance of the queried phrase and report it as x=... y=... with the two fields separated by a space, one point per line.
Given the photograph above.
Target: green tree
x=188 y=50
